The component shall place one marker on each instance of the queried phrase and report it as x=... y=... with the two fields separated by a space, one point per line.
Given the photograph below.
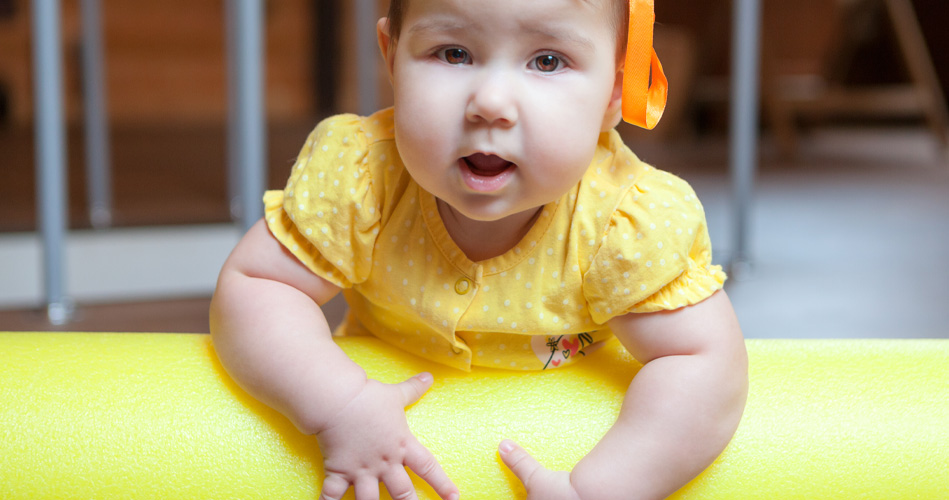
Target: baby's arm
x=272 y=338
x=679 y=413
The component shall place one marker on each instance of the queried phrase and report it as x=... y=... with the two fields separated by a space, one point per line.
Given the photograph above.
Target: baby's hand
x=369 y=442
x=540 y=482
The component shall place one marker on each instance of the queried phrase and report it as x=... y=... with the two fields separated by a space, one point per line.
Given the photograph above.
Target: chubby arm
x=679 y=413
x=272 y=338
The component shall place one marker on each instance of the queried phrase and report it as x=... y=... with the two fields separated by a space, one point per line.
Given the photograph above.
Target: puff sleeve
x=328 y=215
x=655 y=253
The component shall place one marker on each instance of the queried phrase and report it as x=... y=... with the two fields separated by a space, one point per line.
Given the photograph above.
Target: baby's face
x=499 y=103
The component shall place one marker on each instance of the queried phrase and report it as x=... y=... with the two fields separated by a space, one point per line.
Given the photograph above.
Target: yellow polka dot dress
x=628 y=238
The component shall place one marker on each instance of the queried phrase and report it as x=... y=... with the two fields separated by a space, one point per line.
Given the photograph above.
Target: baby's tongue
x=486 y=165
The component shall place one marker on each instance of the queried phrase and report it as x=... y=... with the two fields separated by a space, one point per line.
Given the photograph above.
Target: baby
x=492 y=217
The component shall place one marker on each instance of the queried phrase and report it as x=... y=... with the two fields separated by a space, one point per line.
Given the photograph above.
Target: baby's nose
x=494 y=100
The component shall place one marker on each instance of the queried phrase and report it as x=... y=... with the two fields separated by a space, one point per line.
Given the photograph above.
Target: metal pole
x=247 y=134
x=367 y=55
x=746 y=55
x=99 y=183
x=50 y=131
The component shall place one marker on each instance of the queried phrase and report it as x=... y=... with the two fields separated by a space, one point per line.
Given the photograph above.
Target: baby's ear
x=614 y=112
x=386 y=44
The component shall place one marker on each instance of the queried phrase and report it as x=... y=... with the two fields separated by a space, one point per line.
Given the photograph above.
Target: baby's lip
x=486 y=164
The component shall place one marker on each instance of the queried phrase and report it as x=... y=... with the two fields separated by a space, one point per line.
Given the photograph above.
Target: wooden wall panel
x=166 y=60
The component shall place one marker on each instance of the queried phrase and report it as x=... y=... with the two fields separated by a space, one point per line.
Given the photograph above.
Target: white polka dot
x=485 y=308
x=528 y=305
x=507 y=303
x=412 y=302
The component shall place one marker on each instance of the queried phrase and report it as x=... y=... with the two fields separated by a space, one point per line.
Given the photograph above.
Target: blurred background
x=848 y=234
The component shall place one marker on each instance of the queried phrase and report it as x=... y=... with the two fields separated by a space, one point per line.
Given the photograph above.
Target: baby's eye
x=547 y=63
x=455 y=56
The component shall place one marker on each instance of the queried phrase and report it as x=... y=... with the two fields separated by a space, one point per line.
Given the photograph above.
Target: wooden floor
x=164 y=316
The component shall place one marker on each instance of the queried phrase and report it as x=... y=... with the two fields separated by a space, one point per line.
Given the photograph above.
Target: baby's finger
x=415 y=387
x=424 y=464
x=367 y=488
x=334 y=487
x=399 y=484
x=518 y=460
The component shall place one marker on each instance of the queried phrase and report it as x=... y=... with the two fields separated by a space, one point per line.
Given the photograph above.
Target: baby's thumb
x=521 y=463
x=414 y=388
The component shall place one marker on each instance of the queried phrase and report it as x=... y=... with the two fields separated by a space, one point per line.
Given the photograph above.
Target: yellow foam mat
x=155 y=416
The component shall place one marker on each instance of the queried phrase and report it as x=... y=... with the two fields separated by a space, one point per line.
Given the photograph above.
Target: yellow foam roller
x=131 y=416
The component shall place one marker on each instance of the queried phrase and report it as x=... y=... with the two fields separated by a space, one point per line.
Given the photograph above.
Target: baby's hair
x=618 y=22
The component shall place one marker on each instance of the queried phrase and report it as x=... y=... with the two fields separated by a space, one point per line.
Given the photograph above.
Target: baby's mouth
x=484 y=165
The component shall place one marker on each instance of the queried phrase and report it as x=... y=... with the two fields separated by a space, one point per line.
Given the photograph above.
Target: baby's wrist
x=335 y=394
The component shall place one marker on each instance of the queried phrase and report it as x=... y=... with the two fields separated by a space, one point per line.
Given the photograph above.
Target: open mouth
x=484 y=165
x=486 y=173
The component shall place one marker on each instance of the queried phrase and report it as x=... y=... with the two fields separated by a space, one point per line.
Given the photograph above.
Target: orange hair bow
x=643 y=101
